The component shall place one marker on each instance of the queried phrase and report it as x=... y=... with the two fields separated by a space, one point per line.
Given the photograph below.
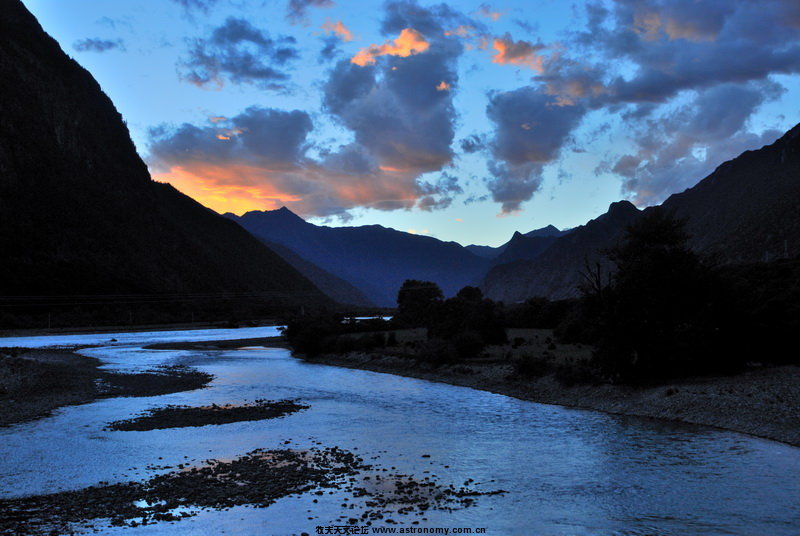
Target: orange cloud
x=443 y=86
x=409 y=42
x=240 y=187
x=339 y=29
x=221 y=188
x=521 y=53
x=229 y=133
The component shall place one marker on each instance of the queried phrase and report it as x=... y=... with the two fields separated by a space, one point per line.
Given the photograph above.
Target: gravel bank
x=35 y=382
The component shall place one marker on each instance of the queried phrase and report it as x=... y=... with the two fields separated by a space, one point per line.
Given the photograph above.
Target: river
x=568 y=472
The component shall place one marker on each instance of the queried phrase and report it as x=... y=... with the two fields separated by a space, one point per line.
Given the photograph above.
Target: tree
x=665 y=312
x=416 y=302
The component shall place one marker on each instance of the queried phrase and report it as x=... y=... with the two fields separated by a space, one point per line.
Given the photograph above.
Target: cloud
x=511 y=185
x=98 y=45
x=472 y=144
x=241 y=53
x=681 y=45
x=338 y=29
x=685 y=76
x=677 y=149
x=297 y=10
x=199 y=5
x=258 y=160
x=486 y=10
x=331 y=49
x=531 y=127
x=520 y=53
x=393 y=107
x=402 y=130
x=408 y=43
x=438 y=195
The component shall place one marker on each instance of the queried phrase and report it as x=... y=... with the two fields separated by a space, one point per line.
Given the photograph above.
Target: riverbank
x=763 y=402
x=128 y=328
x=33 y=383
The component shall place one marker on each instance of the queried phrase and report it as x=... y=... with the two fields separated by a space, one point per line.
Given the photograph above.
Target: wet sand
x=35 y=382
x=186 y=416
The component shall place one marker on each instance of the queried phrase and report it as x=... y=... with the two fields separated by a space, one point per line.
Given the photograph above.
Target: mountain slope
x=555 y=273
x=748 y=209
x=528 y=246
x=334 y=287
x=374 y=259
x=79 y=213
x=521 y=246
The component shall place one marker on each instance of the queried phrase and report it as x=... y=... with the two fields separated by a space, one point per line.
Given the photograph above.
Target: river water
x=568 y=472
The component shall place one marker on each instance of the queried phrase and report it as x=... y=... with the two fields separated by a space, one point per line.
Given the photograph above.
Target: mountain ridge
x=79 y=212
x=747 y=210
x=373 y=258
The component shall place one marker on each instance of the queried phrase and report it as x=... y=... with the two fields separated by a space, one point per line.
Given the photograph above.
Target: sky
x=466 y=120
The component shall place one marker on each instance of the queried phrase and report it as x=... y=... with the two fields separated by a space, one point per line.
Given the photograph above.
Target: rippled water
x=569 y=472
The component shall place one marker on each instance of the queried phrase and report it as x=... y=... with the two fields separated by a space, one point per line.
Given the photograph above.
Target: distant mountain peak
x=622 y=207
x=549 y=230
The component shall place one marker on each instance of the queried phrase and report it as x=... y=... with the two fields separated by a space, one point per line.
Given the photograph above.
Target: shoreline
x=36 y=382
x=140 y=328
x=763 y=403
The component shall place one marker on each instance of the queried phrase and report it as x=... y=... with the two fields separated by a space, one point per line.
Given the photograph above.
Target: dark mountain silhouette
x=528 y=246
x=555 y=272
x=79 y=213
x=374 y=259
x=334 y=287
x=521 y=247
x=486 y=252
x=748 y=209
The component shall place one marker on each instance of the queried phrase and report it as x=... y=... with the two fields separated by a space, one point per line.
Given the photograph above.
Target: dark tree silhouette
x=665 y=312
x=416 y=302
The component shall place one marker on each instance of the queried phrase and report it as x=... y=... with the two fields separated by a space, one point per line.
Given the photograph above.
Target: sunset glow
x=409 y=42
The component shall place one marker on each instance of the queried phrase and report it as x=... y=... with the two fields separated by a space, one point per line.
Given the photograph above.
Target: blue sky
x=466 y=121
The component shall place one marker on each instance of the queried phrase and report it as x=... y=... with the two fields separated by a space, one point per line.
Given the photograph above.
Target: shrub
x=468 y=344
x=529 y=366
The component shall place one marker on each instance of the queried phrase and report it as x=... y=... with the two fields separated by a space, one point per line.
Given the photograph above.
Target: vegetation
x=664 y=312
x=660 y=312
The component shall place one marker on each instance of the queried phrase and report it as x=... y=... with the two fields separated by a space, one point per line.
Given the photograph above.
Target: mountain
x=374 y=259
x=486 y=252
x=334 y=287
x=528 y=246
x=79 y=213
x=521 y=248
x=748 y=209
x=555 y=272
x=549 y=231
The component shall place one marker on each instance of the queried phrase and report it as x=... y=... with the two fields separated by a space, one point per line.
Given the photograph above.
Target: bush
x=436 y=352
x=468 y=344
x=529 y=366
x=665 y=312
